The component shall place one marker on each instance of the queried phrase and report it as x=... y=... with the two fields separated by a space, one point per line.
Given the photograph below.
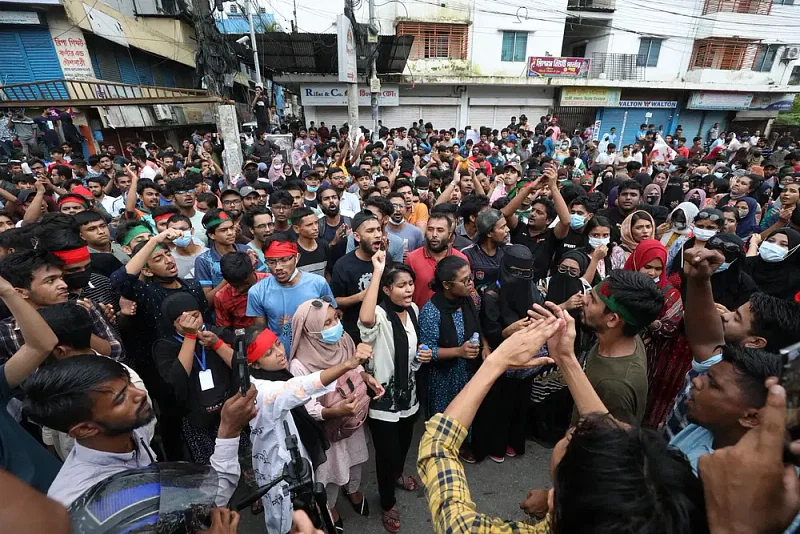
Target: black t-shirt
x=351 y=275
x=310 y=203
x=314 y=261
x=203 y=408
x=485 y=268
x=542 y=246
x=574 y=240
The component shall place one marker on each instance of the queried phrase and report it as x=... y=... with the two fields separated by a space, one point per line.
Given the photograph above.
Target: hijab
x=562 y=286
x=652 y=188
x=448 y=335
x=626 y=230
x=648 y=250
x=701 y=193
x=731 y=287
x=517 y=293
x=308 y=347
x=276 y=168
x=690 y=211
x=673 y=192
x=748 y=225
x=602 y=146
x=612 y=196
x=779 y=279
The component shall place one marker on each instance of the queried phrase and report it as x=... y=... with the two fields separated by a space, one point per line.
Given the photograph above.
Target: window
x=765 y=58
x=723 y=54
x=648 y=52
x=435 y=41
x=234 y=9
x=515 y=46
x=784 y=2
x=755 y=7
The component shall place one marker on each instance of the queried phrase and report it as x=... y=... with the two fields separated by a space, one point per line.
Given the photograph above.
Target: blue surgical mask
x=724 y=266
x=672 y=168
x=719 y=174
x=576 y=221
x=333 y=334
x=704 y=234
x=312 y=188
x=184 y=240
x=772 y=253
x=595 y=242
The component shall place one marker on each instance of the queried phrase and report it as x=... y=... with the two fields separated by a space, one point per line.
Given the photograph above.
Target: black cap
x=361 y=217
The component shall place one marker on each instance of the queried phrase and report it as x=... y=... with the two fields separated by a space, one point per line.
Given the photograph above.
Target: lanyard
x=201 y=362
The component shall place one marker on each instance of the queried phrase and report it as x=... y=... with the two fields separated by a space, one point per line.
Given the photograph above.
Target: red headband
x=280 y=249
x=163 y=216
x=260 y=345
x=71 y=197
x=76 y=255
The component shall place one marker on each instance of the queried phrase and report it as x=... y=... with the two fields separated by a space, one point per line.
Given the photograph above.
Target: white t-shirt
x=148 y=172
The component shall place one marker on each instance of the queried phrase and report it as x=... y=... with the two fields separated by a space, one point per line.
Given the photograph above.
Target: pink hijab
x=308 y=348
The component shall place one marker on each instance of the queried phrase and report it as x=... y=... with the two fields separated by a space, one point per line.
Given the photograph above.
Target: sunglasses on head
x=324 y=299
x=716 y=243
x=710 y=216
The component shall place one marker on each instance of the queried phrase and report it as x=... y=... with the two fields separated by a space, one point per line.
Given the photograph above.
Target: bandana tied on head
x=76 y=255
x=139 y=229
x=280 y=249
x=260 y=345
x=163 y=217
x=605 y=294
x=72 y=197
x=221 y=218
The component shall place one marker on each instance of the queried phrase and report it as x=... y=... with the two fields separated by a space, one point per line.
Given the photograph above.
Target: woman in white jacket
x=280 y=399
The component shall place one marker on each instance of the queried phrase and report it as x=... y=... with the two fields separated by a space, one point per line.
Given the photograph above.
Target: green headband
x=139 y=229
x=213 y=223
x=611 y=302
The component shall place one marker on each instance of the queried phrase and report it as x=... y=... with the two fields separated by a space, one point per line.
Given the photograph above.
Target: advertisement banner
x=336 y=95
x=719 y=101
x=772 y=102
x=593 y=97
x=569 y=67
x=346 y=43
x=72 y=54
x=648 y=103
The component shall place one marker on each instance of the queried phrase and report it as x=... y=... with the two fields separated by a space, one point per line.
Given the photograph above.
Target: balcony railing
x=95 y=93
x=752 y=7
x=592 y=5
x=618 y=66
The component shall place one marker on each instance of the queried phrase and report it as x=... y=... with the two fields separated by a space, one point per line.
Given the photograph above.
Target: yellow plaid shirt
x=441 y=472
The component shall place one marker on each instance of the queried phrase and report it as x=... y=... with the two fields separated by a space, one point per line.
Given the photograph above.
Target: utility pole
x=352 y=91
x=374 y=82
x=253 y=44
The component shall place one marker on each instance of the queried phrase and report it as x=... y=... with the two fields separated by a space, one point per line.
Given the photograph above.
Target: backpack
x=343 y=427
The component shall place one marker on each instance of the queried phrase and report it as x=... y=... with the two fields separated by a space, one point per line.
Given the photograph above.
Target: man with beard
x=232 y=203
x=423 y=261
x=333 y=225
x=274 y=300
x=411 y=236
x=629 y=199
x=381 y=208
x=182 y=190
x=349 y=203
x=261 y=224
x=91 y=398
x=96 y=185
x=353 y=272
x=616 y=310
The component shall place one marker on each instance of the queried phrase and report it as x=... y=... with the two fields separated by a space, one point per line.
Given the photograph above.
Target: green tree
x=791 y=117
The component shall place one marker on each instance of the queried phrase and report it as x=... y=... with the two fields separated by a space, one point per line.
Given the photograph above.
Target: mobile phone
x=240 y=362
x=790 y=380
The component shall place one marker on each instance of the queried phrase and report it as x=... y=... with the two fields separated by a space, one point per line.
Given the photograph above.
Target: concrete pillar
x=228 y=128
x=463 y=109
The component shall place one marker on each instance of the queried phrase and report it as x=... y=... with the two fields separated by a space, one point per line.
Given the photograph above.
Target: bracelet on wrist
x=219 y=344
x=190 y=336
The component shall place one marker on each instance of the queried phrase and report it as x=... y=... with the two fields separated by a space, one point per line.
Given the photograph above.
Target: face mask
x=704 y=234
x=657 y=279
x=743 y=213
x=652 y=200
x=184 y=240
x=595 y=242
x=724 y=266
x=163 y=279
x=769 y=252
x=781 y=186
x=576 y=221
x=679 y=225
x=333 y=334
x=312 y=188
x=695 y=201
x=672 y=168
x=77 y=280
x=251 y=175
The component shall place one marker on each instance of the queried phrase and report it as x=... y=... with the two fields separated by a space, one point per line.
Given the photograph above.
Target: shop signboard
x=711 y=100
x=772 y=102
x=336 y=95
x=593 y=97
x=668 y=104
x=565 y=67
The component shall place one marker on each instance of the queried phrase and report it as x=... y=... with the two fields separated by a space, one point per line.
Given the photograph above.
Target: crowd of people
x=626 y=309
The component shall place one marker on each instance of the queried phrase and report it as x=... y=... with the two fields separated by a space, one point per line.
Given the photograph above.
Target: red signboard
x=570 y=67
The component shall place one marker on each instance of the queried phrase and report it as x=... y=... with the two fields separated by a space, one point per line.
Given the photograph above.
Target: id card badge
x=206 y=380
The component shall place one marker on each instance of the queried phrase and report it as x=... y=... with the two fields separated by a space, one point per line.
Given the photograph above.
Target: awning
x=316 y=53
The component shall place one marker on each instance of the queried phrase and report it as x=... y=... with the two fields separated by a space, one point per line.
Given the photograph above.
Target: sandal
x=257 y=507
x=338 y=525
x=407 y=483
x=391 y=520
x=361 y=508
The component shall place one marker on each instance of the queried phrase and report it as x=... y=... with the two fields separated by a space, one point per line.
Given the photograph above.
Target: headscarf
x=517 y=293
x=690 y=211
x=308 y=348
x=748 y=225
x=700 y=193
x=644 y=179
x=448 y=335
x=602 y=146
x=731 y=287
x=298 y=155
x=627 y=227
x=612 y=196
x=563 y=286
x=652 y=188
x=779 y=279
x=276 y=169
x=673 y=193
x=648 y=250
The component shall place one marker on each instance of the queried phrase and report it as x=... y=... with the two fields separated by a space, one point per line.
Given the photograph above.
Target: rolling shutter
x=615 y=117
x=28 y=55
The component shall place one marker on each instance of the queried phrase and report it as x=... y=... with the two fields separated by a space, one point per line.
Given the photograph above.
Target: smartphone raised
x=790 y=380
x=240 y=362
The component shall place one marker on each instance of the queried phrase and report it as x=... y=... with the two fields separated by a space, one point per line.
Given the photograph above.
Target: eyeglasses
x=715 y=243
x=324 y=299
x=280 y=207
x=466 y=281
x=262 y=226
x=232 y=202
x=273 y=262
x=399 y=206
x=574 y=273
x=185 y=192
x=710 y=216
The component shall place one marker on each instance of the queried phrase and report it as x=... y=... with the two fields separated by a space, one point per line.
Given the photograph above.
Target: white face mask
x=704 y=234
x=595 y=242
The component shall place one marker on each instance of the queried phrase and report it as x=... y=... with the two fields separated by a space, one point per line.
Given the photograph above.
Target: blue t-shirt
x=694 y=441
x=279 y=303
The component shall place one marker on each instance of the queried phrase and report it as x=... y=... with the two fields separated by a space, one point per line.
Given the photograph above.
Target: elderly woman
x=319 y=343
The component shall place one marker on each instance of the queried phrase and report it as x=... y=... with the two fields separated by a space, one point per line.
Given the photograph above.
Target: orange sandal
x=391 y=520
x=407 y=483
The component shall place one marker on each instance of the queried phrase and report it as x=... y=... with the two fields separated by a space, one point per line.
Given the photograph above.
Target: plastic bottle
x=475 y=339
x=415 y=363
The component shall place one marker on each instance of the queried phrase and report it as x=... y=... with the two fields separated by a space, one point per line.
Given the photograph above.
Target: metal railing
x=618 y=66
x=753 y=7
x=94 y=92
x=592 y=5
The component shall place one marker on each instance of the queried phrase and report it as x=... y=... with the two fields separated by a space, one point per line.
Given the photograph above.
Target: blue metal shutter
x=616 y=116
x=691 y=120
x=126 y=68
x=143 y=71
x=28 y=55
x=13 y=63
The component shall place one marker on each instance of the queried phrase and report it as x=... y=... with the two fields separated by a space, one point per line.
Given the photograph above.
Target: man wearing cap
x=182 y=190
x=221 y=240
x=512 y=172
x=485 y=254
x=353 y=272
x=273 y=301
x=249 y=174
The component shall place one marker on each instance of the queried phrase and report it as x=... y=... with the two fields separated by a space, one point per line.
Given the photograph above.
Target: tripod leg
x=321 y=499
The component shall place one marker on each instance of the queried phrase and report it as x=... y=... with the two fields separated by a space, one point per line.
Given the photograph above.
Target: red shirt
x=231 y=306
x=683 y=152
x=424 y=265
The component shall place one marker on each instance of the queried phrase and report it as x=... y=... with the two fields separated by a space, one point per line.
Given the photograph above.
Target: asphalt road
x=496 y=488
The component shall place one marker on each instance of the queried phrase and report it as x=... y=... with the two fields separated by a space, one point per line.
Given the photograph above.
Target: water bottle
x=475 y=339
x=415 y=363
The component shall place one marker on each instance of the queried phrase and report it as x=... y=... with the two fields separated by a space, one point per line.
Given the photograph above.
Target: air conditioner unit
x=791 y=52
x=163 y=112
